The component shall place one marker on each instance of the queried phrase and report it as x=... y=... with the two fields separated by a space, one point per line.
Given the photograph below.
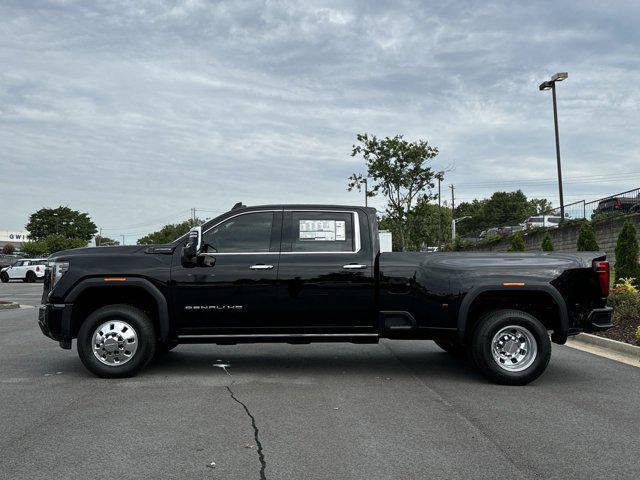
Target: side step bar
x=229 y=339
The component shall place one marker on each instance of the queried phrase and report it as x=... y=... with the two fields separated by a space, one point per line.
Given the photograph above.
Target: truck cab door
x=233 y=287
x=326 y=274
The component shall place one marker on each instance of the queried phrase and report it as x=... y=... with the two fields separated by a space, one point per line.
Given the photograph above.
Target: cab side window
x=322 y=232
x=247 y=233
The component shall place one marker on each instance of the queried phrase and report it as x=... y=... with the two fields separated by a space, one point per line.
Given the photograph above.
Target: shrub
x=547 y=243
x=625 y=300
x=627 y=253
x=517 y=243
x=587 y=239
x=8 y=249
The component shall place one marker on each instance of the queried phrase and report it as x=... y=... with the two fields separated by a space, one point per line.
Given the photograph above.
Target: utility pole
x=98 y=242
x=193 y=216
x=123 y=238
x=366 y=189
x=453 y=200
x=440 y=176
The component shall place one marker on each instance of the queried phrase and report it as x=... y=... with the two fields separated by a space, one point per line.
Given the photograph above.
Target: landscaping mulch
x=624 y=330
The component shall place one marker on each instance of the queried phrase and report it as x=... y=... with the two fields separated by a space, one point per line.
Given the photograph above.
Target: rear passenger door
x=326 y=273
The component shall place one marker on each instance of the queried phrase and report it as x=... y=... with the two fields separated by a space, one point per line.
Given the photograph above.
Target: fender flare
x=558 y=336
x=146 y=285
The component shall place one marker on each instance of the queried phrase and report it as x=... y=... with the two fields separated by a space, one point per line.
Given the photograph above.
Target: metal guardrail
x=617 y=204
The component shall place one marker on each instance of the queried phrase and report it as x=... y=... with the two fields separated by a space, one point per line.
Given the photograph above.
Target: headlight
x=57 y=269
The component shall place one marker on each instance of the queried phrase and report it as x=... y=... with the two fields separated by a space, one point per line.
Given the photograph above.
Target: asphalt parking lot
x=397 y=410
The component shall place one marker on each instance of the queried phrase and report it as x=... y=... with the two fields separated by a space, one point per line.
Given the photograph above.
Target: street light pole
x=555 y=123
x=551 y=85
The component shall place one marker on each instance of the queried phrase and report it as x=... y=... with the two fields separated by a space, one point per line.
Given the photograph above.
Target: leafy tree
x=627 y=253
x=587 y=239
x=397 y=169
x=8 y=249
x=427 y=225
x=105 y=241
x=60 y=221
x=168 y=233
x=547 y=243
x=517 y=243
x=51 y=244
x=500 y=210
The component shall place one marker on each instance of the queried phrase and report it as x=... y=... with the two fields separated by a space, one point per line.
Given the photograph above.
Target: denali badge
x=213 y=307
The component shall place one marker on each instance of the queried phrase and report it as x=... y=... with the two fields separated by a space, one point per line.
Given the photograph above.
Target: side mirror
x=190 y=251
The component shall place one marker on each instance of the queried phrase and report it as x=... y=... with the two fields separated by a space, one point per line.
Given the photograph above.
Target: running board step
x=281 y=338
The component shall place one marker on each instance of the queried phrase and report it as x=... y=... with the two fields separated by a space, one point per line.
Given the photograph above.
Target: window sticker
x=323 y=230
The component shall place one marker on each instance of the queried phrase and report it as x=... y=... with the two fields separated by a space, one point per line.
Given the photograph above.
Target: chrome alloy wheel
x=514 y=348
x=114 y=342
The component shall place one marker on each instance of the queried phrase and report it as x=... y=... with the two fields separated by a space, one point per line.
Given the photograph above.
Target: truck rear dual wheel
x=511 y=347
x=116 y=341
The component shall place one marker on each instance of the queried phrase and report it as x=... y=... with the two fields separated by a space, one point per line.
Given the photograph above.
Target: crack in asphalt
x=256 y=430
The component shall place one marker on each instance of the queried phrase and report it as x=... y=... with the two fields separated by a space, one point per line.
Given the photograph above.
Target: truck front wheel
x=116 y=341
x=511 y=347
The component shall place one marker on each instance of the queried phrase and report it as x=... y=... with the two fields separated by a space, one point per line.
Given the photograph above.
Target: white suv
x=549 y=221
x=28 y=270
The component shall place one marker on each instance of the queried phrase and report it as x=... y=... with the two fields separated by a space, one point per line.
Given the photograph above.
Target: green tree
x=587 y=239
x=105 y=241
x=427 y=225
x=502 y=209
x=168 y=233
x=517 y=243
x=547 y=243
x=60 y=221
x=51 y=244
x=8 y=249
x=627 y=253
x=397 y=169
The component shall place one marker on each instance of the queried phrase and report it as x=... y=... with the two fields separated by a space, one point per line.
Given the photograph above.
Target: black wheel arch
x=115 y=290
x=559 y=325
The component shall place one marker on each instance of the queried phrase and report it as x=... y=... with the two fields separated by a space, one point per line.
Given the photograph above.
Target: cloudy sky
x=138 y=111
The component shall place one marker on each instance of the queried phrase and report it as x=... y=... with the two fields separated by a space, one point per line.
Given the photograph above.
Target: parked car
x=6 y=260
x=28 y=270
x=549 y=221
x=314 y=273
x=619 y=205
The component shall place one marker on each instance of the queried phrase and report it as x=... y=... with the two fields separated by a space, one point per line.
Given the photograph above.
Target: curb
x=9 y=306
x=614 y=345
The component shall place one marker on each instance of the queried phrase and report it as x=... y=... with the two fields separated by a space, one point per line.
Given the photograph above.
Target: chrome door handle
x=354 y=266
x=261 y=266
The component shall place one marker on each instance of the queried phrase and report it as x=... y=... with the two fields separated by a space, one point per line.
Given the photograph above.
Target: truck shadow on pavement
x=375 y=362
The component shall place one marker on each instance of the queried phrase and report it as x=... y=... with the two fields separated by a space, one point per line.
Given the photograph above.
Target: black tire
x=529 y=335
x=142 y=328
x=4 y=277
x=31 y=277
x=451 y=346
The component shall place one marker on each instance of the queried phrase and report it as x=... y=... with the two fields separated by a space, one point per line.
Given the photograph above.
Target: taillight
x=618 y=205
x=602 y=269
x=37 y=269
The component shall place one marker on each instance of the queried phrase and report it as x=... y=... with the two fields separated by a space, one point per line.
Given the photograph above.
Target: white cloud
x=135 y=110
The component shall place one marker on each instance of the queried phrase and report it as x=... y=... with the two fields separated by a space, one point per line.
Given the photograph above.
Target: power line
x=550 y=181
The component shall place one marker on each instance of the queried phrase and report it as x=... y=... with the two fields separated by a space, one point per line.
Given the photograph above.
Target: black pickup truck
x=314 y=273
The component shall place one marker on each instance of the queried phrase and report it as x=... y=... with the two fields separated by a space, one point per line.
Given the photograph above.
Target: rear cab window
x=322 y=232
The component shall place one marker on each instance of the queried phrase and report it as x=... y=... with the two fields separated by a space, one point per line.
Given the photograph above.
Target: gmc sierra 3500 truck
x=314 y=273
